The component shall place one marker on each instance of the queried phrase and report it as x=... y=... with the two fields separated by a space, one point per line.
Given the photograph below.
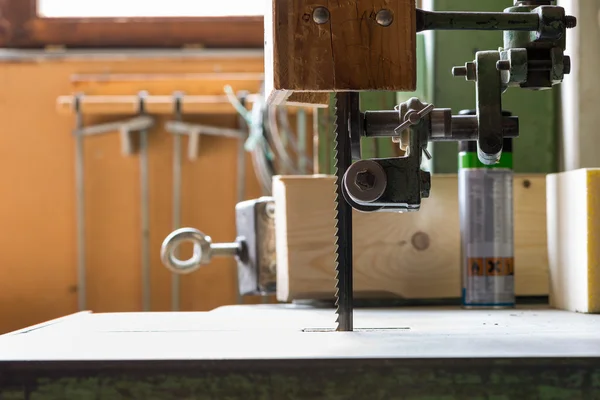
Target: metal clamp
x=204 y=250
x=195 y=130
x=125 y=128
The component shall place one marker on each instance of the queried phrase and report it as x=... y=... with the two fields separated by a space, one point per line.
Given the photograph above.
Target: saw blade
x=343 y=211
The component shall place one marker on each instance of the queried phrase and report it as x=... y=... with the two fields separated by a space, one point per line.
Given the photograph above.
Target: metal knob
x=204 y=250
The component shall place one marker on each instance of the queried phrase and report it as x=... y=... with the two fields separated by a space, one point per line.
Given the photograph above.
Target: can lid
x=471 y=145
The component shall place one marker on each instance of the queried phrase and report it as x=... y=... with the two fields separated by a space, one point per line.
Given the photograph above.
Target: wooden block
x=413 y=256
x=350 y=52
x=573 y=202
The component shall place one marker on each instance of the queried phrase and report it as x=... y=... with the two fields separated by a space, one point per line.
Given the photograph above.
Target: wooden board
x=350 y=51
x=573 y=201
x=413 y=256
x=37 y=210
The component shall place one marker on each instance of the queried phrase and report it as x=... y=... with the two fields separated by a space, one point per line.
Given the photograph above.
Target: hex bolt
x=320 y=15
x=384 y=17
x=570 y=21
x=365 y=180
x=503 y=65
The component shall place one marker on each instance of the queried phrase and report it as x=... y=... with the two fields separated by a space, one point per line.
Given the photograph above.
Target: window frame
x=22 y=27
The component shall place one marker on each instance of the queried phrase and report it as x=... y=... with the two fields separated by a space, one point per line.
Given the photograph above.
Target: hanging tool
x=125 y=129
x=175 y=282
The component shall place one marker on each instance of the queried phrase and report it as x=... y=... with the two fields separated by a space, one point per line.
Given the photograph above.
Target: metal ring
x=201 y=254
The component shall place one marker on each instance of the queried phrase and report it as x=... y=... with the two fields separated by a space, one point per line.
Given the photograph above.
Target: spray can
x=486 y=227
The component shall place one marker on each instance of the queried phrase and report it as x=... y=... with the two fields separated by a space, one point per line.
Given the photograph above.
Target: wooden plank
x=413 y=256
x=23 y=28
x=163 y=84
x=580 y=90
x=573 y=201
x=165 y=105
x=302 y=55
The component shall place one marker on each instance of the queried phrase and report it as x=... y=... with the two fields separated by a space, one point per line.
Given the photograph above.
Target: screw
x=384 y=17
x=365 y=180
x=570 y=21
x=270 y=210
x=459 y=71
x=320 y=15
x=503 y=65
x=526 y=183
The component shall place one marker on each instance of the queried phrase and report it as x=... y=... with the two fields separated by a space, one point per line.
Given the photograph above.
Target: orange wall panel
x=38 y=258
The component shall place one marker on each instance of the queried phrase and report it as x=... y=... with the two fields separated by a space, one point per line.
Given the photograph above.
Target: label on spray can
x=486 y=225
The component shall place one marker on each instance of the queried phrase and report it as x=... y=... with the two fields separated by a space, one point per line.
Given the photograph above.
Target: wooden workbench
x=290 y=351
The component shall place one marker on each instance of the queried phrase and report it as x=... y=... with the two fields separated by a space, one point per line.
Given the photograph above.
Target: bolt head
x=270 y=210
x=321 y=15
x=459 y=71
x=365 y=180
x=384 y=17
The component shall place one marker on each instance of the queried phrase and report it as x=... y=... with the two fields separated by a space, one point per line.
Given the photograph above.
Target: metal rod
x=144 y=211
x=464 y=127
x=175 y=283
x=301 y=140
x=477 y=21
x=184 y=128
x=80 y=204
x=316 y=141
x=241 y=179
x=133 y=124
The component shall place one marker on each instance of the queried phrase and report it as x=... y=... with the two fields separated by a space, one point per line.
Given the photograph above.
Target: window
x=145 y=8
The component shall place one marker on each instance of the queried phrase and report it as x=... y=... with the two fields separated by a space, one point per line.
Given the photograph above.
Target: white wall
x=581 y=89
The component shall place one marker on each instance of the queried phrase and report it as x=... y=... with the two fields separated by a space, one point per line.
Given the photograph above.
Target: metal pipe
x=175 y=283
x=316 y=141
x=477 y=21
x=183 y=128
x=144 y=210
x=133 y=124
x=241 y=178
x=80 y=204
x=464 y=127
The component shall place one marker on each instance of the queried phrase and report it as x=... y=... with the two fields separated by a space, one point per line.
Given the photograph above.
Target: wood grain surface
x=302 y=55
x=413 y=255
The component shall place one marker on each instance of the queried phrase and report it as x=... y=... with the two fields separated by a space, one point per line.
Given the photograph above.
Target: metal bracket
x=193 y=131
